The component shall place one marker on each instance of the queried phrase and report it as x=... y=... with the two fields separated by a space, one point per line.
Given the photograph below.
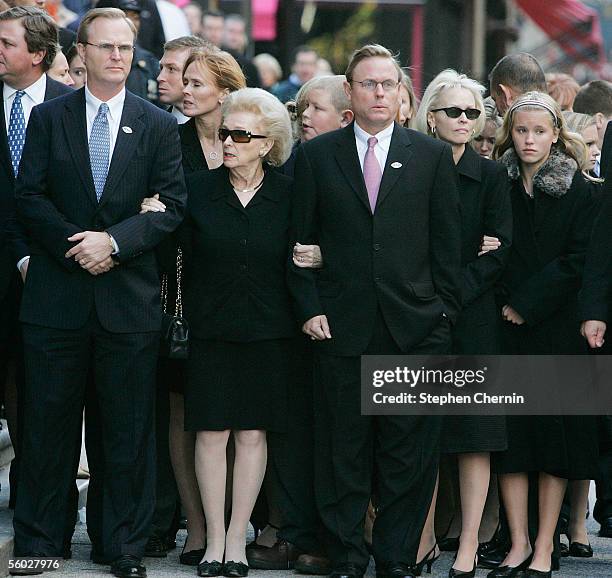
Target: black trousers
x=57 y=364
x=395 y=457
x=291 y=460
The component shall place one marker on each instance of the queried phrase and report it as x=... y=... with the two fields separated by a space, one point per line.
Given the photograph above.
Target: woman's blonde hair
x=449 y=78
x=570 y=143
x=563 y=88
x=406 y=82
x=223 y=67
x=272 y=117
x=578 y=122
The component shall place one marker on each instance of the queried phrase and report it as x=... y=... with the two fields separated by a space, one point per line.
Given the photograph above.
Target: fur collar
x=554 y=177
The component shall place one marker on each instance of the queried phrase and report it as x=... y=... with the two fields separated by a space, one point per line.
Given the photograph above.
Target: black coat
x=484 y=193
x=236 y=259
x=13 y=244
x=56 y=199
x=191 y=149
x=550 y=237
x=596 y=293
x=404 y=259
x=606 y=152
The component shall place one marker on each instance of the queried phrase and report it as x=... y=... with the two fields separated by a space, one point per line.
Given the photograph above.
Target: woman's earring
x=433 y=130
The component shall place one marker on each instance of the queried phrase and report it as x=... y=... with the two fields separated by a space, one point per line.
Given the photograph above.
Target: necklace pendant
x=214 y=155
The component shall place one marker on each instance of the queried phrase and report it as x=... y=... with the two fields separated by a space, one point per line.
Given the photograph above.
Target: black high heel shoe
x=452 y=573
x=510 y=571
x=427 y=561
x=531 y=573
x=193 y=557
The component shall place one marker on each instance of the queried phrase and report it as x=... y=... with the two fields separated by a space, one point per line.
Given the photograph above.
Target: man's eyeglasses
x=108 y=48
x=238 y=135
x=456 y=112
x=370 y=84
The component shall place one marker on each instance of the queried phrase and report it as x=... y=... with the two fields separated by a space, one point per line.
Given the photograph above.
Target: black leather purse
x=175 y=330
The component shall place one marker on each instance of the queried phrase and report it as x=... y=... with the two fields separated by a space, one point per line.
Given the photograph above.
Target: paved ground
x=599 y=566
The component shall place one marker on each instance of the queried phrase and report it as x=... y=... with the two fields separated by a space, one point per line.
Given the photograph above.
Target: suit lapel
x=5 y=155
x=75 y=128
x=397 y=161
x=126 y=145
x=348 y=160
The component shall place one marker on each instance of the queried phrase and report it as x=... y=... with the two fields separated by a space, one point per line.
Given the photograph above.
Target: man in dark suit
x=91 y=303
x=596 y=310
x=382 y=203
x=31 y=35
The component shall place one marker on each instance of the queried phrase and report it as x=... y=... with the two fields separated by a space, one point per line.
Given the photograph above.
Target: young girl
x=552 y=214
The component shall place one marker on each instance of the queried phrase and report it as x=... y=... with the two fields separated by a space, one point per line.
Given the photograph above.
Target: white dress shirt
x=115 y=110
x=381 y=150
x=178 y=115
x=34 y=94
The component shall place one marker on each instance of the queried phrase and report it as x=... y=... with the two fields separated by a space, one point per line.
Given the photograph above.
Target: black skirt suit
x=550 y=237
x=484 y=193
x=243 y=330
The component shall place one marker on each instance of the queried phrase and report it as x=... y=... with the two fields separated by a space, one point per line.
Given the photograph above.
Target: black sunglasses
x=456 y=112
x=238 y=135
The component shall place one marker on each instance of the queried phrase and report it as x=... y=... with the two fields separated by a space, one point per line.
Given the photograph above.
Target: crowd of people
x=293 y=226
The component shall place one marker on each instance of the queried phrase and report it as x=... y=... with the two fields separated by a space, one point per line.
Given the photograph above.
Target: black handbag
x=175 y=330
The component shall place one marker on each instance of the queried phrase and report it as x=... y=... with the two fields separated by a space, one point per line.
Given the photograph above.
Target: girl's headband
x=533 y=102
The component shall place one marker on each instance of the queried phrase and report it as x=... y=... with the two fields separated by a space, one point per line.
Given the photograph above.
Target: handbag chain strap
x=164 y=291
x=178 y=310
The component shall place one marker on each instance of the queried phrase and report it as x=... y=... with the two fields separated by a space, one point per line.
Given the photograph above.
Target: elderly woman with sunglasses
x=235 y=238
x=452 y=110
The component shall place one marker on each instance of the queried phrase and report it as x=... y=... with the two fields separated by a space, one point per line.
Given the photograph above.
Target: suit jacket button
x=243 y=241
x=378 y=279
x=376 y=247
x=243 y=267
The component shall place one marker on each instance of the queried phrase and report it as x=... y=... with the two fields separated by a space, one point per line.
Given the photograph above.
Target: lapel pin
x=396 y=165
x=126 y=129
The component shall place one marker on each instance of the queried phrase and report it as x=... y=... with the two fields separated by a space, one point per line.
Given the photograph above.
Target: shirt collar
x=383 y=135
x=36 y=90
x=115 y=104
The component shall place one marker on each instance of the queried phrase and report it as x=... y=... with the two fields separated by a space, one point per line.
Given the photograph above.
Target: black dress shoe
x=605 y=531
x=213 y=568
x=281 y=556
x=128 y=566
x=156 y=547
x=563 y=550
x=578 y=550
x=347 y=570
x=493 y=556
x=395 y=570
x=509 y=571
x=235 y=569
x=314 y=564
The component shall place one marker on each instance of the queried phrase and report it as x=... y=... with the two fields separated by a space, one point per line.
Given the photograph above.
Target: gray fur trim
x=554 y=177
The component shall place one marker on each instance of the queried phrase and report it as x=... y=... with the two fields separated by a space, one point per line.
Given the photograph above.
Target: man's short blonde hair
x=109 y=13
x=371 y=51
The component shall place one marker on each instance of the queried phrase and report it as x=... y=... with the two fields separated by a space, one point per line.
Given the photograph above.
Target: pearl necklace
x=250 y=189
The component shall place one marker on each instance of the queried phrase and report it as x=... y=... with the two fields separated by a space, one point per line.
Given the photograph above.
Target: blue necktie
x=99 y=149
x=16 y=131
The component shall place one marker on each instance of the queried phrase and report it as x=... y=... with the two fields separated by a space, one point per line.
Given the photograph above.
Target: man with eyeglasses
x=382 y=203
x=91 y=304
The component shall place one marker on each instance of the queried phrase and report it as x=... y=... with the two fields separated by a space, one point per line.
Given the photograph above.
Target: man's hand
x=317 y=328
x=511 y=315
x=489 y=244
x=91 y=249
x=102 y=267
x=593 y=331
x=24 y=269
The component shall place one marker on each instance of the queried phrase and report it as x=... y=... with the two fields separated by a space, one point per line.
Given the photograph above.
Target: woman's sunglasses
x=456 y=112
x=238 y=135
